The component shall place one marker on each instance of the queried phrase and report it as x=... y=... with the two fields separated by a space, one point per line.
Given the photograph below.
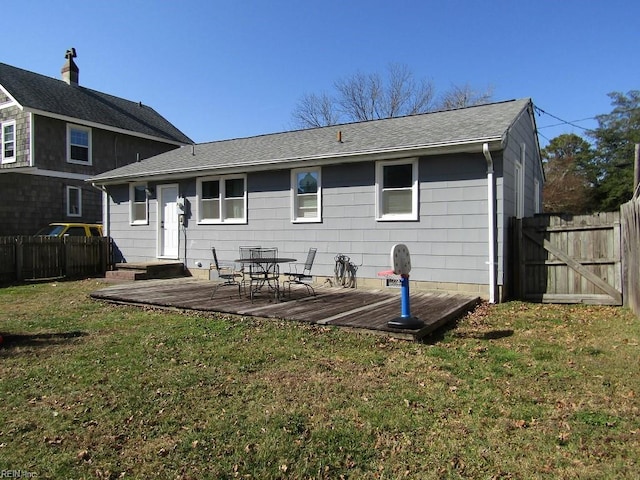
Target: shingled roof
x=459 y=130
x=46 y=95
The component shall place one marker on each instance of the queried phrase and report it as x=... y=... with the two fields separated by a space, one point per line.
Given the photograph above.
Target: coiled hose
x=344 y=273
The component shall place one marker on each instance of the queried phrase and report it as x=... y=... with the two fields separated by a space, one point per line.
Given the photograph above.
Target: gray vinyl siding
x=448 y=243
x=521 y=132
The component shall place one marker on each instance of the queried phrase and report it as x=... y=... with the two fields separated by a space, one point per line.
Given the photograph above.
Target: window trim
x=133 y=203
x=78 y=192
x=414 y=214
x=3 y=141
x=295 y=196
x=71 y=127
x=222 y=198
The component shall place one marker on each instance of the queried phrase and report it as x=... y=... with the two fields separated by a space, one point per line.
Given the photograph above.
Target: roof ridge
x=360 y=122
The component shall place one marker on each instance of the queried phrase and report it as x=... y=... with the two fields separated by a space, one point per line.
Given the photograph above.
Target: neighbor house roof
x=461 y=130
x=48 y=96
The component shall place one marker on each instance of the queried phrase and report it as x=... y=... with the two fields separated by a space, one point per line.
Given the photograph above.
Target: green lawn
x=92 y=390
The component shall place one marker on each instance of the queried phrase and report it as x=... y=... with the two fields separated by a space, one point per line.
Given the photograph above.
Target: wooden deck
x=351 y=308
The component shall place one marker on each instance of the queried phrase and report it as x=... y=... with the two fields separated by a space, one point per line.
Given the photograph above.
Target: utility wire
x=564 y=122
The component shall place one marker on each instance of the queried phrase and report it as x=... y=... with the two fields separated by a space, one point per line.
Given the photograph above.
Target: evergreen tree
x=611 y=170
x=567 y=188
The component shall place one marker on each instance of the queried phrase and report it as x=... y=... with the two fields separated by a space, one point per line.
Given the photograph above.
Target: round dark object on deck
x=411 y=323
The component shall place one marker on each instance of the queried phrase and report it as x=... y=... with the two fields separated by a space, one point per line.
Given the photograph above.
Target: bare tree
x=362 y=97
x=315 y=111
x=460 y=96
x=359 y=96
x=367 y=97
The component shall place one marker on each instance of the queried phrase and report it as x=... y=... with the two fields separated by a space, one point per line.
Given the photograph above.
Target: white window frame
x=132 y=204
x=380 y=191
x=70 y=193
x=4 y=141
x=295 y=196
x=87 y=130
x=222 y=199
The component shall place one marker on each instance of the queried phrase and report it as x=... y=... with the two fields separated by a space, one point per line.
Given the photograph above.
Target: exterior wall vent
x=392 y=282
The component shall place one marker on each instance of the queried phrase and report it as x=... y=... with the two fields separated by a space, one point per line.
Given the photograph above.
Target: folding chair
x=303 y=278
x=226 y=273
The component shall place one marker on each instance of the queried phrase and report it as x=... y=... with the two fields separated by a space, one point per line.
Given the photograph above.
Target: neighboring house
x=54 y=134
x=444 y=183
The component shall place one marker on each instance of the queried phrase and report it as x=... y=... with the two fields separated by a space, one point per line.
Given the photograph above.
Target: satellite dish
x=400 y=259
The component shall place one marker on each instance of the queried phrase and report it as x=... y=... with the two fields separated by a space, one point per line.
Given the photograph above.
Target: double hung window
x=222 y=199
x=139 y=204
x=306 y=195
x=78 y=144
x=8 y=136
x=397 y=190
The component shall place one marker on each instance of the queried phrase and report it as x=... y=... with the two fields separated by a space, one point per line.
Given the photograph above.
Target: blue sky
x=222 y=69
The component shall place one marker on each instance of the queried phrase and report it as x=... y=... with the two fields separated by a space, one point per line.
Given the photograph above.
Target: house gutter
x=491 y=223
x=470 y=146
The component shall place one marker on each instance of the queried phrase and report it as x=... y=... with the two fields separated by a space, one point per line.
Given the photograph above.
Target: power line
x=563 y=122
x=545 y=137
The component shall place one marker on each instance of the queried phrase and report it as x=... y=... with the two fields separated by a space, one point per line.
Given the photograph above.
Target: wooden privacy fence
x=567 y=259
x=630 y=219
x=35 y=258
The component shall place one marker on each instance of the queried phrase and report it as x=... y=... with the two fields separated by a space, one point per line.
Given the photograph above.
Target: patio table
x=270 y=278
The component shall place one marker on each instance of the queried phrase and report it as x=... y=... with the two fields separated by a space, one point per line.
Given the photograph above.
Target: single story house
x=443 y=183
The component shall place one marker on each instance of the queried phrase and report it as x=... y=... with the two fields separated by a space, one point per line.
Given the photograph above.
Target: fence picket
x=38 y=257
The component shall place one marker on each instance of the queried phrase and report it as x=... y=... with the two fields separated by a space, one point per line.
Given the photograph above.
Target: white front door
x=168 y=227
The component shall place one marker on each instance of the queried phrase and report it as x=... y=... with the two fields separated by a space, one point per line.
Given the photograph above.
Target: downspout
x=491 y=219
x=106 y=223
x=106 y=210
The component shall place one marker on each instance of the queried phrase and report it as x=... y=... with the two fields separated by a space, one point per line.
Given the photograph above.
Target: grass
x=516 y=390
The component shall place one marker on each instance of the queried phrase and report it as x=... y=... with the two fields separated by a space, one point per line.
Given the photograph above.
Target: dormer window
x=78 y=144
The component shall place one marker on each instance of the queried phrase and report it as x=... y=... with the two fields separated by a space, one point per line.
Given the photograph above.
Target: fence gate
x=568 y=259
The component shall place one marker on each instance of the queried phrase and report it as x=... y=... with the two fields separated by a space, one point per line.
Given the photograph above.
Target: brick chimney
x=70 y=71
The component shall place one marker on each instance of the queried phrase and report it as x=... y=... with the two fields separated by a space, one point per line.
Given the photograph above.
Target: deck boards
x=352 y=308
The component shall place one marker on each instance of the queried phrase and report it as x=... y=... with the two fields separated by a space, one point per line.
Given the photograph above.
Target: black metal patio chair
x=227 y=273
x=264 y=272
x=304 y=277
x=246 y=253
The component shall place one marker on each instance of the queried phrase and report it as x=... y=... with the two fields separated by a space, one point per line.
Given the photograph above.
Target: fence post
x=19 y=259
x=636 y=172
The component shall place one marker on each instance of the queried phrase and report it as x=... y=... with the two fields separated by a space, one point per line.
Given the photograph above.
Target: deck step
x=126 y=274
x=146 y=270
